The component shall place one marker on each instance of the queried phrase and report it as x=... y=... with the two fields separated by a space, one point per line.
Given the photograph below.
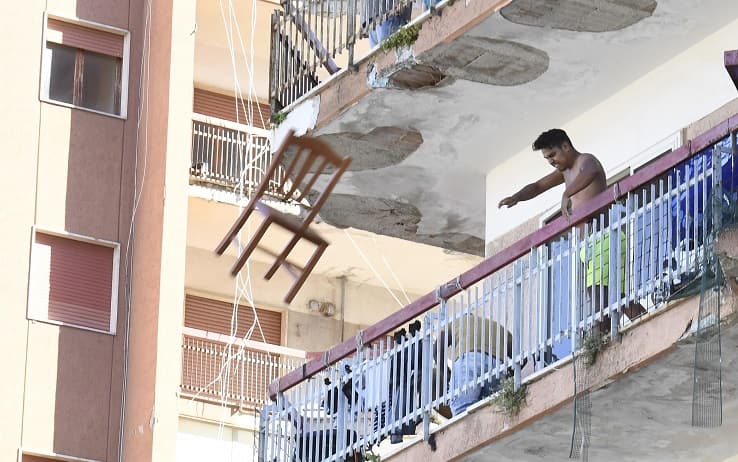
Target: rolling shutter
x=223 y=107
x=215 y=316
x=86 y=38
x=71 y=282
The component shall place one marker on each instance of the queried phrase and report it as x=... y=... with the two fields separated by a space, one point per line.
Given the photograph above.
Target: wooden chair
x=308 y=152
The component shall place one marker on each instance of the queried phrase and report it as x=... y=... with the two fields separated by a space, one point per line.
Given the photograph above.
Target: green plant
x=278 y=118
x=592 y=344
x=371 y=457
x=404 y=37
x=509 y=400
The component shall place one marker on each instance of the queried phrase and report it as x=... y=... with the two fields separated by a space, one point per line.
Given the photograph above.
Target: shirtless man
x=582 y=173
x=584 y=178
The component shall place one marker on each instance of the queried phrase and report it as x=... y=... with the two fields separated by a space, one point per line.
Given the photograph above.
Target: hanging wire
x=369 y=264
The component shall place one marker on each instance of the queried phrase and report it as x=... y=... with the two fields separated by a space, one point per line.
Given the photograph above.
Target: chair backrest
x=300 y=164
x=305 y=159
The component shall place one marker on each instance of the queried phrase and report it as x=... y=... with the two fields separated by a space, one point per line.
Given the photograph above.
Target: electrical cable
x=143 y=103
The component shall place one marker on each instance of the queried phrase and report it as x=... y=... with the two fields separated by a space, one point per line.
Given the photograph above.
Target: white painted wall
x=199 y=441
x=670 y=97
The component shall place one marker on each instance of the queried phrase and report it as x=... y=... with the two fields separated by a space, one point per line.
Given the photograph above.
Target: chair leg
x=283 y=256
x=306 y=272
x=253 y=242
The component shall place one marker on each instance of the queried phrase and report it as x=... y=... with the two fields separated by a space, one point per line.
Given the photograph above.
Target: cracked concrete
x=392 y=218
x=579 y=15
x=380 y=147
x=417 y=76
x=488 y=60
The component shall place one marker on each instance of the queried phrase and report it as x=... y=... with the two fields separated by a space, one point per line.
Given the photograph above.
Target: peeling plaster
x=392 y=218
x=489 y=61
x=381 y=147
x=301 y=118
x=579 y=15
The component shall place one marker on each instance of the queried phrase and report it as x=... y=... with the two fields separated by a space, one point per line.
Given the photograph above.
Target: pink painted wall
x=71 y=170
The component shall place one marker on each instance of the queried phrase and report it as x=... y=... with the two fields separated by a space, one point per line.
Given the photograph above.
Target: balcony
x=628 y=255
x=459 y=91
x=231 y=157
x=230 y=371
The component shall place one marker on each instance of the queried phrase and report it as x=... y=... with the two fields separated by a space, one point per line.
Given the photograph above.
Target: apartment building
x=648 y=87
x=129 y=126
x=122 y=123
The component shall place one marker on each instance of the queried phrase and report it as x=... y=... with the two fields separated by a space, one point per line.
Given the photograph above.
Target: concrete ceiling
x=214 y=68
x=644 y=416
x=533 y=66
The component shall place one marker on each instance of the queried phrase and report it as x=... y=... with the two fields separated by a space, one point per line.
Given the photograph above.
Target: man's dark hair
x=551 y=139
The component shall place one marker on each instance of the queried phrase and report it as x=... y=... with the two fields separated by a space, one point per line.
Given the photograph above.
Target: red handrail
x=504 y=257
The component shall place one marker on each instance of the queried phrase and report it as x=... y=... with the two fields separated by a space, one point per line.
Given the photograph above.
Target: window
x=85 y=66
x=215 y=316
x=40 y=456
x=74 y=281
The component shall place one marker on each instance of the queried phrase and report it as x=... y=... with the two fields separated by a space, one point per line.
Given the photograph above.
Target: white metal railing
x=533 y=311
x=219 y=368
x=229 y=155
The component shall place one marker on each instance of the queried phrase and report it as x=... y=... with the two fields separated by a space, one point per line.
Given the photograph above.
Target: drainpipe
x=341 y=305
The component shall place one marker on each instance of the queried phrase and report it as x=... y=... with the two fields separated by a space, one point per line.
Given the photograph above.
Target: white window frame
x=51 y=455
x=125 y=60
x=670 y=143
x=38 y=309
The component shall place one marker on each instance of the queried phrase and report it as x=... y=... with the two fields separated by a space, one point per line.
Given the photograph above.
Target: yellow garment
x=600 y=248
x=470 y=328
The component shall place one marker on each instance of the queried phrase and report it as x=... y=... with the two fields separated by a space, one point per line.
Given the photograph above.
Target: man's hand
x=508 y=201
x=566 y=206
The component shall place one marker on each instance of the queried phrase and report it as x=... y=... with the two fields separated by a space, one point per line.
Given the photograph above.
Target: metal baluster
x=713 y=173
x=465 y=329
x=638 y=224
x=600 y=242
x=585 y=301
x=477 y=342
x=505 y=307
x=659 y=280
x=517 y=321
x=717 y=191
x=497 y=317
x=526 y=284
x=282 y=445
x=401 y=387
x=688 y=217
x=653 y=250
x=545 y=330
x=351 y=31
x=574 y=263
x=614 y=263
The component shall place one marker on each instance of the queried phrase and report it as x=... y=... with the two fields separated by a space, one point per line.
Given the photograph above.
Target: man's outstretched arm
x=534 y=189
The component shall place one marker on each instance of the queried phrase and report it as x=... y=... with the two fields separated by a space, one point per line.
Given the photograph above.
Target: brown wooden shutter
x=87 y=38
x=72 y=281
x=215 y=316
x=223 y=107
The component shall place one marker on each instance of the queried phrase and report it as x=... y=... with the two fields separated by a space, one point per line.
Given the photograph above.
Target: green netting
x=707 y=402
